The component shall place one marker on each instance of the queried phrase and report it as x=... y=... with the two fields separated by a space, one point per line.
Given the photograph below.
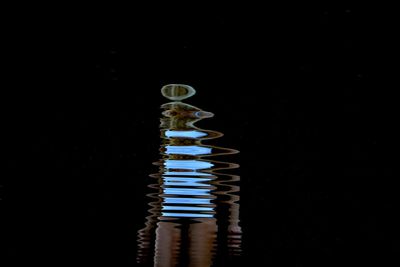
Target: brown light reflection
x=194 y=213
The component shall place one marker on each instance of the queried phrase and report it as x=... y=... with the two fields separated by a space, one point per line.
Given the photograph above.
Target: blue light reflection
x=188 y=150
x=184 y=134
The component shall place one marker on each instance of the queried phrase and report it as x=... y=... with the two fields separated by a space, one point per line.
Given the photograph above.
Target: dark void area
x=297 y=89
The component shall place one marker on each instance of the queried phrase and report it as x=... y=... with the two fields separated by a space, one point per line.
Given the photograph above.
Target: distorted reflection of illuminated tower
x=191 y=188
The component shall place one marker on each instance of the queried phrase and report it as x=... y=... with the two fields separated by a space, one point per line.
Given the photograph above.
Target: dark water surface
x=194 y=210
x=296 y=89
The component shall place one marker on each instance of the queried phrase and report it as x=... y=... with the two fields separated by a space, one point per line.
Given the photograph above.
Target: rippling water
x=194 y=211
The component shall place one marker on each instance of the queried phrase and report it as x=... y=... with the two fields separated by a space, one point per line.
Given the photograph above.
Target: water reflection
x=194 y=211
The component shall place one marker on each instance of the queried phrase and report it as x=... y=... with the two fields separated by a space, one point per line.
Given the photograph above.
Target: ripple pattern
x=190 y=186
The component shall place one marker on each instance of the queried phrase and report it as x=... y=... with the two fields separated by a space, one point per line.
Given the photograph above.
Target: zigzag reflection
x=191 y=187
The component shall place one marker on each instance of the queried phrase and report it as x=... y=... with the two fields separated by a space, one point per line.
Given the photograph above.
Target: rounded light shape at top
x=177 y=92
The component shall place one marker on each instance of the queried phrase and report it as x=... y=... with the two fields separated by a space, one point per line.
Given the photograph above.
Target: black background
x=296 y=88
